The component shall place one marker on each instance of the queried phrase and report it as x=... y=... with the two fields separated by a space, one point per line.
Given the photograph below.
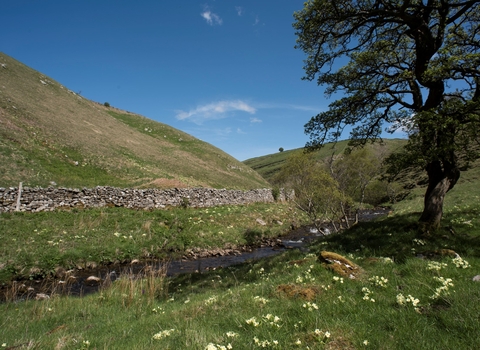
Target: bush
x=106 y=104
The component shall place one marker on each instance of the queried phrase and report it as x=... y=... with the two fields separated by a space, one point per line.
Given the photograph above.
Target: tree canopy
x=410 y=65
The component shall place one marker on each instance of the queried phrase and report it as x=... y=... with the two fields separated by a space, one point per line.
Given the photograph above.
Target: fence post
x=19 y=197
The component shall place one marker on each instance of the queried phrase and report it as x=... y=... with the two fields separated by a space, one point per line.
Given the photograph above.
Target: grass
x=50 y=134
x=36 y=245
x=410 y=292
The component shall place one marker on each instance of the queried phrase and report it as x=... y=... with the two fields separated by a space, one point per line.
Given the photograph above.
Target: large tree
x=413 y=65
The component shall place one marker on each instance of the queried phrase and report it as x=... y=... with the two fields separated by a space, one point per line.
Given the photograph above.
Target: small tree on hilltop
x=411 y=64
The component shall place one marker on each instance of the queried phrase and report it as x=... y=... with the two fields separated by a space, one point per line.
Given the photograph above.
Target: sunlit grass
x=34 y=245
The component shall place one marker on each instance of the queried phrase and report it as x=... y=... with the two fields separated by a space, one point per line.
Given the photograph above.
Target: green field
x=409 y=292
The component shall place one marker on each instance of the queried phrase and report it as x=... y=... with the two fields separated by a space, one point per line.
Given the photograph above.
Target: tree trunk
x=441 y=179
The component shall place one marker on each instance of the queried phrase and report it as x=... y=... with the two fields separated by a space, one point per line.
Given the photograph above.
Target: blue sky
x=224 y=71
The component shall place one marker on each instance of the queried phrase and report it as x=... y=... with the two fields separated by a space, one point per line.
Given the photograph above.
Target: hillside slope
x=270 y=164
x=49 y=134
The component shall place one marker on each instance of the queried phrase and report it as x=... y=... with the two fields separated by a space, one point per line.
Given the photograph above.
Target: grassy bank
x=35 y=245
x=409 y=292
x=287 y=302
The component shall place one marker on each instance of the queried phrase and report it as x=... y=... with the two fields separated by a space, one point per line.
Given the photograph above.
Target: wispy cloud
x=255 y=120
x=210 y=17
x=239 y=10
x=213 y=111
x=240 y=131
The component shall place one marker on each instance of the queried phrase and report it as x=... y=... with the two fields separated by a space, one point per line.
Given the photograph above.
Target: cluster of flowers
x=212 y=346
x=435 y=266
x=163 y=334
x=211 y=300
x=253 y=322
x=307 y=276
x=338 y=279
x=379 y=281
x=460 y=263
x=272 y=320
x=366 y=295
x=321 y=336
x=260 y=300
x=418 y=241
x=402 y=301
x=265 y=343
x=443 y=289
x=157 y=310
x=310 y=306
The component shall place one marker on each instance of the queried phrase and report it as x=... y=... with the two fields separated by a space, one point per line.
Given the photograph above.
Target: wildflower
x=231 y=334
x=460 y=263
x=338 y=279
x=298 y=342
x=211 y=300
x=443 y=289
x=260 y=300
x=379 y=281
x=435 y=266
x=365 y=342
x=366 y=295
x=163 y=334
x=402 y=300
x=253 y=321
x=310 y=306
x=117 y=234
x=419 y=241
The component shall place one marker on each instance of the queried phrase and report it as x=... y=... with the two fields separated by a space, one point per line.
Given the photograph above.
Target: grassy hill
x=51 y=134
x=270 y=164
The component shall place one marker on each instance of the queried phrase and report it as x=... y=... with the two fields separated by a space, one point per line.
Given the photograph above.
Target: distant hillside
x=269 y=165
x=49 y=134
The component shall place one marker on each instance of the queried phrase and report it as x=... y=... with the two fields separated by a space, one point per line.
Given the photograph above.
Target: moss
x=339 y=264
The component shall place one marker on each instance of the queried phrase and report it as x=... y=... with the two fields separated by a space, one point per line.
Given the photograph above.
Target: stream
x=82 y=282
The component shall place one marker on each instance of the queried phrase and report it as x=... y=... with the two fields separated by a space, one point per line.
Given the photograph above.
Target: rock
x=476 y=278
x=339 y=264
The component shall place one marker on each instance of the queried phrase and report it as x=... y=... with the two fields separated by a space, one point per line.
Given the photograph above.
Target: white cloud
x=213 y=111
x=239 y=10
x=223 y=132
x=211 y=18
x=240 y=131
x=255 y=120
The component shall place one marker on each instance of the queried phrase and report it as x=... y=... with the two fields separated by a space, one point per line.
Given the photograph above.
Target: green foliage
x=276 y=193
x=411 y=65
x=316 y=192
x=281 y=149
x=106 y=104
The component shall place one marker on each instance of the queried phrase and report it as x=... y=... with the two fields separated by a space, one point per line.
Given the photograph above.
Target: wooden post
x=19 y=197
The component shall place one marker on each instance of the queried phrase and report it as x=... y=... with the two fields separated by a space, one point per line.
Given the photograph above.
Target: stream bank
x=79 y=282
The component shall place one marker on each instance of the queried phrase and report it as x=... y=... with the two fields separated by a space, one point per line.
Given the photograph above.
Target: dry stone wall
x=48 y=199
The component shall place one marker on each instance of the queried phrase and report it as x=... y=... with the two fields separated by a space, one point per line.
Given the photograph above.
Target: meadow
x=409 y=292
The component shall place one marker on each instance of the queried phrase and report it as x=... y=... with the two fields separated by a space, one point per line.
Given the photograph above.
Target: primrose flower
x=435 y=266
x=253 y=321
x=310 y=306
x=163 y=334
x=231 y=334
x=365 y=342
x=460 y=263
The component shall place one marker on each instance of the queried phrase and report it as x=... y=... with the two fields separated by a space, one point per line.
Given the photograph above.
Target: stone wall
x=48 y=199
